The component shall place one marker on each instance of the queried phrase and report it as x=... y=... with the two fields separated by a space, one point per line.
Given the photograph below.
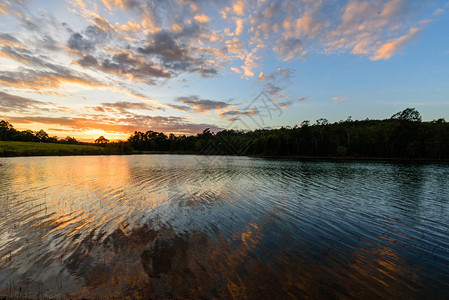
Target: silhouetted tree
x=70 y=140
x=101 y=140
x=7 y=131
x=408 y=114
x=42 y=136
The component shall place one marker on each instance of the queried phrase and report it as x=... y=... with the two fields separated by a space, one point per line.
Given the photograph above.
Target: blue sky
x=88 y=68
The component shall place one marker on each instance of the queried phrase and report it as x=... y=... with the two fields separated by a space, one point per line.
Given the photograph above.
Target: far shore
x=26 y=149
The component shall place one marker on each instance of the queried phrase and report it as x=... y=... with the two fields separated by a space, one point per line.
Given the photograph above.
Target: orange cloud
x=3 y=9
x=202 y=18
x=130 y=26
x=121 y=4
x=238 y=26
x=239 y=7
x=82 y=125
x=47 y=81
x=339 y=98
x=388 y=49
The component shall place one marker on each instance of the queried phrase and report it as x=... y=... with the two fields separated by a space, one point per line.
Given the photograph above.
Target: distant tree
x=7 y=131
x=408 y=114
x=42 y=136
x=53 y=139
x=101 y=140
x=403 y=135
x=70 y=140
x=321 y=121
x=25 y=136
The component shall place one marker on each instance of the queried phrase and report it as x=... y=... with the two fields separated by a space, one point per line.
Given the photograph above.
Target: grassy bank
x=12 y=148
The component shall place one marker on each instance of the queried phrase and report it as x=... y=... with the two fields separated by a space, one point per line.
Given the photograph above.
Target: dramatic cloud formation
x=110 y=57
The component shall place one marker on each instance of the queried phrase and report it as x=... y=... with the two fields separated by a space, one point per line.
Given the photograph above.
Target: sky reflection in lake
x=189 y=226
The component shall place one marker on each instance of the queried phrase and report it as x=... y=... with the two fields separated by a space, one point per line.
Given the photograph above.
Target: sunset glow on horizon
x=86 y=68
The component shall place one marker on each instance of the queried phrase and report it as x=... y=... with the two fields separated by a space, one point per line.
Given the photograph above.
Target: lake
x=185 y=226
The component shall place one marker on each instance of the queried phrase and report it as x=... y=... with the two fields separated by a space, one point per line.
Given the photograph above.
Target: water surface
x=179 y=226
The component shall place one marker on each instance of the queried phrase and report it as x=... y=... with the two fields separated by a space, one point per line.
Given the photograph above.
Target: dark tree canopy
x=408 y=114
x=101 y=140
x=403 y=135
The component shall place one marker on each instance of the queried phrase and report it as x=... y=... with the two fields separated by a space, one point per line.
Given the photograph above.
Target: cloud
x=124 y=107
x=250 y=63
x=200 y=105
x=176 y=28
x=125 y=45
x=275 y=86
x=239 y=7
x=3 y=9
x=18 y=104
x=339 y=98
x=235 y=114
x=289 y=49
x=93 y=36
x=134 y=67
x=388 y=49
x=163 y=45
x=275 y=83
x=174 y=56
x=238 y=26
x=87 y=61
x=9 y=40
x=120 y=4
x=29 y=79
x=202 y=18
x=438 y=11
x=284 y=104
x=127 y=124
x=79 y=43
x=293 y=28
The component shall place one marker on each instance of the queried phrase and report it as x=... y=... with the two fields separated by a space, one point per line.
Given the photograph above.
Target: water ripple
x=170 y=226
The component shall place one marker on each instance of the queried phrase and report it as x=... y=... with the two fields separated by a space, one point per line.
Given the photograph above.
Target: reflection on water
x=168 y=226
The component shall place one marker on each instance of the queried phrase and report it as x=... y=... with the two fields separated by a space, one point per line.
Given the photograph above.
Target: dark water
x=168 y=226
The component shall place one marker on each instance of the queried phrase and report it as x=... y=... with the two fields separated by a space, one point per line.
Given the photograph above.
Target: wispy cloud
x=197 y=104
x=388 y=49
x=235 y=114
x=18 y=104
x=339 y=98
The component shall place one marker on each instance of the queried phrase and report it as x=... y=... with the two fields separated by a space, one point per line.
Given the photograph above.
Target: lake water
x=181 y=226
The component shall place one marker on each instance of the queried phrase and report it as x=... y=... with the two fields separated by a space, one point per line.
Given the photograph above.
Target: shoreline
x=33 y=149
x=304 y=158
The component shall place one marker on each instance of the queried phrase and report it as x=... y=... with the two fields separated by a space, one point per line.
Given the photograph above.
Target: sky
x=85 y=68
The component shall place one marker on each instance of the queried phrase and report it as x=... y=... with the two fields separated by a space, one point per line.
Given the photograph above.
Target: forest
x=404 y=135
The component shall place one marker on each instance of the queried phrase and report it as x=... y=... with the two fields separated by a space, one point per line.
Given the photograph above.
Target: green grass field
x=11 y=148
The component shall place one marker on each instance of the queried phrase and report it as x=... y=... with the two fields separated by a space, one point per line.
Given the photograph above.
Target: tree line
x=9 y=133
x=404 y=135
